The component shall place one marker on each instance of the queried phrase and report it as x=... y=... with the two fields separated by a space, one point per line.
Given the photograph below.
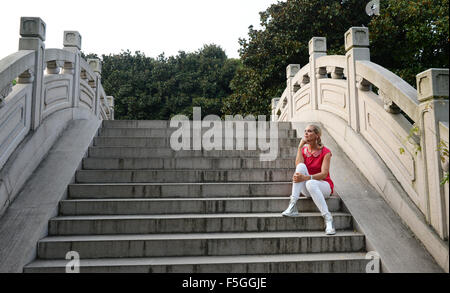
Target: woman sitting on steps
x=312 y=177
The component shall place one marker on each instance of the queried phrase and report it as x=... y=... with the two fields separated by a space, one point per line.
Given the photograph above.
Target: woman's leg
x=297 y=188
x=319 y=190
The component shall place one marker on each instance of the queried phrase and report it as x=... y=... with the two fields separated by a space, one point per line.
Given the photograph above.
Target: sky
x=149 y=26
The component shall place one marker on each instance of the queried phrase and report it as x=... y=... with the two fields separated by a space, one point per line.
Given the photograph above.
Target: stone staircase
x=139 y=206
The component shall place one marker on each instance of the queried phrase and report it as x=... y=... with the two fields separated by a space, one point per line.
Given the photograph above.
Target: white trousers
x=317 y=189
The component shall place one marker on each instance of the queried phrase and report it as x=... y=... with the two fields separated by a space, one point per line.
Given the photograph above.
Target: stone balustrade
x=373 y=114
x=36 y=86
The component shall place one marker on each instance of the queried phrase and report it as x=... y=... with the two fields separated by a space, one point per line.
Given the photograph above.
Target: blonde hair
x=318 y=132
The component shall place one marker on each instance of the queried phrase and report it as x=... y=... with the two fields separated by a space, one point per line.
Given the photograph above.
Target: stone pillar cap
x=72 y=39
x=357 y=37
x=95 y=64
x=292 y=69
x=432 y=83
x=33 y=27
x=110 y=99
x=317 y=45
x=275 y=102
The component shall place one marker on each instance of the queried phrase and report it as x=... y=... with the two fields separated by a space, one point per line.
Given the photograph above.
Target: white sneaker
x=329 y=230
x=292 y=210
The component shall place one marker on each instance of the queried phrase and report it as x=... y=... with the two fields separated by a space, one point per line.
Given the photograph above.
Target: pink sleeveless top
x=314 y=163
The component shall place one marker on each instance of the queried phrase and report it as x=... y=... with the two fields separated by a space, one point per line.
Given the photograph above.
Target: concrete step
x=184 y=163
x=152 y=132
x=193 y=223
x=210 y=244
x=354 y=262
x=159 y=124
x=180 y=190
x=156 y=124
x=164 y=142
x=185 y=176
x=187 y=206
x=132 y=152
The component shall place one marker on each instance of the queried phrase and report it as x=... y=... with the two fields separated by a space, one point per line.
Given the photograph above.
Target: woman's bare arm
x=325 y=168
x=299 y=158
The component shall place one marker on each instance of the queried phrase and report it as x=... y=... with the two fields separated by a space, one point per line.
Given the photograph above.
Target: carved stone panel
x=301 y=100
x=87 y=96
x=388 y=144
x=57 y=94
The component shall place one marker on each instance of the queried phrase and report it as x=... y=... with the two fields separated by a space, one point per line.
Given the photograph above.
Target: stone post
x=32 y=32
x=110 y=100
x=96 y=66
x=275 y=102
x=72 y=43
x=317 y=49
x=291 y=71
x=53 y=67
x=433 y=93
x=337 y=73
x=444 y=135
x=357 y=48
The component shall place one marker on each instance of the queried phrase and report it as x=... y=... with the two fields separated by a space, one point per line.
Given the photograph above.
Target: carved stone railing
x=371 y=111
x=38 y=83
x=15 y=101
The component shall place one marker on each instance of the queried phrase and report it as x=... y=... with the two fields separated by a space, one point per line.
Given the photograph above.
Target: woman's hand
x=298 y=177
x=302 y=143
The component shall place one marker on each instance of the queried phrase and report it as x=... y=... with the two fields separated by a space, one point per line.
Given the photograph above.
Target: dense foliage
x=148 y=88
x=411 y=36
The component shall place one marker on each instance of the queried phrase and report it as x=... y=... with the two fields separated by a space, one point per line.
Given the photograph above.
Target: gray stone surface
x=192 y=223
x=287 y=263
x=184 y=163
x=188 y=206
x=161 y=142
x=211 y=244
x=236 y=212
x=180 y=190
x=28 y=155
x=26 y=220
x=172 y=176
x=134 y=152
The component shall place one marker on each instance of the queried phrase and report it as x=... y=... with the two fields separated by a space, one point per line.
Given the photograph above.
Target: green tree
x=410 y=36
x=162 y=87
